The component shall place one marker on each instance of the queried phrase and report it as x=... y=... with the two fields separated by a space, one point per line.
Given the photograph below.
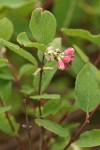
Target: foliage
x=32 y=84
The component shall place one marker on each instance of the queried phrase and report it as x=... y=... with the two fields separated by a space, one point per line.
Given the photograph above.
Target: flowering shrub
x=45 y=108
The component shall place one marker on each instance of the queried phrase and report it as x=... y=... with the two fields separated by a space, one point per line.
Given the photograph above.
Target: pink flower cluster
x=68 y=58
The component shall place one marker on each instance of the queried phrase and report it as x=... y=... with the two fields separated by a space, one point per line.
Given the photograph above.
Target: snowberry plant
x=53 y=134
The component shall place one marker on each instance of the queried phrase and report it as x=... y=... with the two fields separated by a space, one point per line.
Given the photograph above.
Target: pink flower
x=69 y=51
x=61 y=65
x=66 y=59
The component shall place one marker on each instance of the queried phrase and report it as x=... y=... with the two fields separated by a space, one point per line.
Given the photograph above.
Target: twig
x=13 y=128
x=27 y=126
x=39 y=103
x=87 y=121
x=40 y=82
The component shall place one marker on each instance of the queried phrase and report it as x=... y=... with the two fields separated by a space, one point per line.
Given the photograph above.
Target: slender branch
x=39 y=103
x=12 y=127
x=87 y=121
x=27 y=126
x=40 y=83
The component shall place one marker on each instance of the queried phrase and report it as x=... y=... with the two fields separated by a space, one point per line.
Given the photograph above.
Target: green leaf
x=87 y=92
x=79 y=62
x=5 y=126
x=43 y=26
x=53 y=127
x=14 y=4
x=6 y=28
x=5 y=73
x=82 y=34
x=3 y=60
x=63 y=11
x=89 y=139
x=46 y=96
x=26 y=69
x=46 y=78
x=56 y=43
x=4 y=109
x=19 y=51
x=51 y=107
x=26 y=89
x=5 y=89
x=23 y=40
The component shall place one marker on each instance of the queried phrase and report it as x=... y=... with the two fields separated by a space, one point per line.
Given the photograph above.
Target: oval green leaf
x=56 y=43
x=6 y=29
x=89 y=139
x=19 y=51
x=42 y=26
x=87 y=91
x=53 y=127
x=24 y=40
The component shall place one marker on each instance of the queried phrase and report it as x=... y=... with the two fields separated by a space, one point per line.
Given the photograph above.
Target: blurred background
x=75 y=14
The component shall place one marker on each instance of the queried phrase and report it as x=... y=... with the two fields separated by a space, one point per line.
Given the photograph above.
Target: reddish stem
x=39 y=103
x=87 y=121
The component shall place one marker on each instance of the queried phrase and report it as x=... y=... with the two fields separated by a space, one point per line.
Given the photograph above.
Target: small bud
x=27 y=127
x=69 y=51
x=61 y=65
x=24 y=126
